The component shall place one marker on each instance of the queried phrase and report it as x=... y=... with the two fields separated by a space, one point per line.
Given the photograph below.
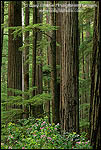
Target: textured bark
x=39 y=74
x=26 y=58
x=58 y=40
x=34 y=54
x=14 y=55
x=34 y=48
x=37 y=110
x=55 y=110
x=23 y=51
x=39 y=53
x=95 y=99
x=58 y=56
x=47 y=104
x=69 y=105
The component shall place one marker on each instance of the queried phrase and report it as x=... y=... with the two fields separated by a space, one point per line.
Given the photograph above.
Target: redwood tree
x=34 y=48
x=34 y=53
x=55 y=106
x=69 y=104
x=36 y=68
x=58 y=56
x=39 y=75
x=26 y=59
x=14 y=55
x=47 y=83
x=95 y=99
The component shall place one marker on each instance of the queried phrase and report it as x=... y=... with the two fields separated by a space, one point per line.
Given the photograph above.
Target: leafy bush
x=39 y=134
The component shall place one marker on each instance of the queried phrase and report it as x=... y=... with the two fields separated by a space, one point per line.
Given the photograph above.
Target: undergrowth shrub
x=39 y=134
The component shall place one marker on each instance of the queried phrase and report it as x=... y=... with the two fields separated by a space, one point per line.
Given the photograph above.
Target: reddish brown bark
x=95 y=99
x=69 y=105
x=14 y=55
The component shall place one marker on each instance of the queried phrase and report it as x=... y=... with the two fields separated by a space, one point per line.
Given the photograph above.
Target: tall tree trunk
x=34 y=48
x=55 y=109
x=14 y=55
x=58 y=56
x=39 y=74
x=95 y=99
x=26 y=60
x=69 y=105
x=47 y=104
x=23 y=51
x=37 y=68
x=34 y=53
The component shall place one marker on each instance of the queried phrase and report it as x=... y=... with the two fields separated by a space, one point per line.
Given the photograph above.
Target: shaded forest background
x=50 y=66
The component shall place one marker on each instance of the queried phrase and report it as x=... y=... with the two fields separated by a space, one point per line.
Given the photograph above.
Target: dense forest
x=50 y=74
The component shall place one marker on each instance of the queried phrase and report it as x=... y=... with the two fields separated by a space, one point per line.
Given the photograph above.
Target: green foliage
x=84 y=123
x=57 y=44
x=39 y=134
x=84 y=106
x=82 y=145
x=47 y=69
x=86 y=20
x=87 y=12
x=19 y=100
x=40 y=27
